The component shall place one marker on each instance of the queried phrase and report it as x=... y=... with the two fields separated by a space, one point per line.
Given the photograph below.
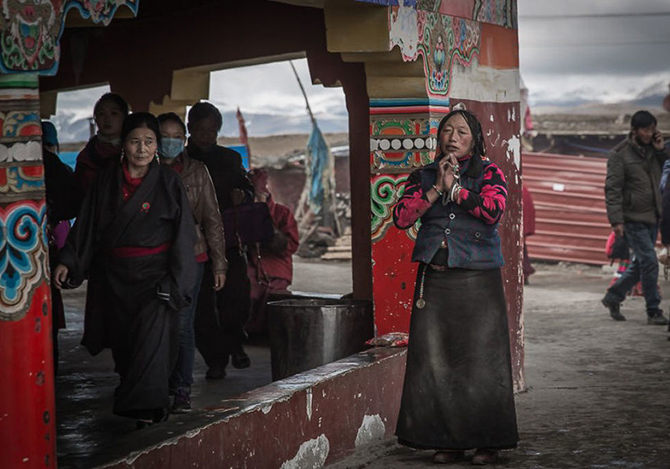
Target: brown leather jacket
x=202 y=199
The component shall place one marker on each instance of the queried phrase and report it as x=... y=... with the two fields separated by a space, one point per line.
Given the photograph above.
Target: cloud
x=273 y=89
x=604 y=59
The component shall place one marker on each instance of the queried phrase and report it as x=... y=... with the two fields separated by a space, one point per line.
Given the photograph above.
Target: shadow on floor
x=90 y=435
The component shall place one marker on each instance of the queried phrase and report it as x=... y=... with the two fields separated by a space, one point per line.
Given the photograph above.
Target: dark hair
x=642 y=119
x=478 y=144
x=203 y=110
x=115 y=99
x=171 y=116
x=137 y=120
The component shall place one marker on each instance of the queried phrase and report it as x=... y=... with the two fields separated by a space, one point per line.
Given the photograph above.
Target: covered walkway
x=89 y=435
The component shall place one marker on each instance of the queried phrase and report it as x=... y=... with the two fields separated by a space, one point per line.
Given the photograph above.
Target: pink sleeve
x=411 y=206
x=489 y=204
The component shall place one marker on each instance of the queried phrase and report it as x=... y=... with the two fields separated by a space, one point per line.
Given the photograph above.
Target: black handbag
x=620 y=249
x=247 y=224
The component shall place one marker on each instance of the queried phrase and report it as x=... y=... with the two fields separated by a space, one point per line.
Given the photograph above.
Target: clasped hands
x=446 y=174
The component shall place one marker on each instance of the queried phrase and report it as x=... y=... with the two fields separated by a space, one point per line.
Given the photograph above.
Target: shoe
x=614 y=310
x=483 y=457
x=215 y=372
x=160 y=415
x=446 y=457
x=657 y=320
x=240 y=360
x=142 y=424
x=182 y=401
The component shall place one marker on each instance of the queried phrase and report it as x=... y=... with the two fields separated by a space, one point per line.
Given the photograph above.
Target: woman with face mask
x=210 y=245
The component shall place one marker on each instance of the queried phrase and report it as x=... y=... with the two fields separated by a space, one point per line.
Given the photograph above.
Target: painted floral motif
x=400 y=142
x=442 y=41
x=30 y=31
x=502 y=12
x=20 y=124
x=21 y=179
x=22 y=256
x=386 y=190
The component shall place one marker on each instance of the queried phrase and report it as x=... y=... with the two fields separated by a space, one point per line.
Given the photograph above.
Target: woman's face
x=140 y=147
x=109 y=119
x=170 y=129
x=456 y=137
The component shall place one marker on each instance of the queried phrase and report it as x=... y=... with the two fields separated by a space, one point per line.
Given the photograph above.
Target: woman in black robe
x=458 y=391
x=134 y=240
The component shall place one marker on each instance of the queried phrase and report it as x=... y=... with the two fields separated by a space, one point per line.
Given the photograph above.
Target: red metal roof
x=569 y=197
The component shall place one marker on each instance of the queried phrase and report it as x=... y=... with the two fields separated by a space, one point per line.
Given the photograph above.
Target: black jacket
x=225 y=167
x=632 y=191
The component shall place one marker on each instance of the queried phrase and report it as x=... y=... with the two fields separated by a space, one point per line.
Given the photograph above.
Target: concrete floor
x=89 y=435
x=597 y=390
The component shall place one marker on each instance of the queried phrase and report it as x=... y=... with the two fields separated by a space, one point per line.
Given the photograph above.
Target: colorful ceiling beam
x=30 y=32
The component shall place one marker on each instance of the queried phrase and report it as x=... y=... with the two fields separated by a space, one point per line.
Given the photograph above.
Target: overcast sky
x=603 y=50
x=570 y=51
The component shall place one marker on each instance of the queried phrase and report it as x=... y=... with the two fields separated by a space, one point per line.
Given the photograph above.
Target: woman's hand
x=219 y=281
x=442 y=168
x=446 y=176
x=60 y=275
x=237 y=195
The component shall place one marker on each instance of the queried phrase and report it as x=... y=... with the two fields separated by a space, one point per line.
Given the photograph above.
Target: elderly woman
x=458 y=392
x=210 y=245
x=134 y=237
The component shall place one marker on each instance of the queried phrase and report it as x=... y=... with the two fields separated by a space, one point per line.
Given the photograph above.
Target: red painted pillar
x=27 y=402
x=469 y=58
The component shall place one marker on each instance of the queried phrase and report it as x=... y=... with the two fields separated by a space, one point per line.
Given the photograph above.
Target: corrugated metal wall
x=569 y=197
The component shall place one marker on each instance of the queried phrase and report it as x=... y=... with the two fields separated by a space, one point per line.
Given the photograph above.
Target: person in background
x=270 y=262
x=458 y=391
x=528 y=230
x=665 y=225
x=633 y=200
x=62 y=204
x=104 y=149
x=135 y=237
x=210 y=245
x=220 y=316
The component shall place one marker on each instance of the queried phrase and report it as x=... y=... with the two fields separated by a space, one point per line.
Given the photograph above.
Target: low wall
x=308 y=420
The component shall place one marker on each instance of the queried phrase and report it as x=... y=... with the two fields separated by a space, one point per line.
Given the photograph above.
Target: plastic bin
x=307 y=333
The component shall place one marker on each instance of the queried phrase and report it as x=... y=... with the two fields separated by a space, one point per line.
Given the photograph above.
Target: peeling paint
x=312 y=454
x=485 y=84
x=308 y=396
x=371 y=430
x=514 y=150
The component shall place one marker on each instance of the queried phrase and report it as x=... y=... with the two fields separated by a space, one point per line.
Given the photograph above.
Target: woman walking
x=134 y=237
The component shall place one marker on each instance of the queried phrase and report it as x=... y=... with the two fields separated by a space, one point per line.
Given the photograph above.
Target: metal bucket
x=307 y=333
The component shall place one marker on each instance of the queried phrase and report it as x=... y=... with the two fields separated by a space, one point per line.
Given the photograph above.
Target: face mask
x=171 y=147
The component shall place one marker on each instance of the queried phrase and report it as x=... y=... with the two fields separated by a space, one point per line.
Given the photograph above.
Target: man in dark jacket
x=633 y=201
x=220 y=315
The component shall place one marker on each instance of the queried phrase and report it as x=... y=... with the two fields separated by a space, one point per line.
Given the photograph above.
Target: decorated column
x=439 y=53
x=27 y=427
x=29 y=33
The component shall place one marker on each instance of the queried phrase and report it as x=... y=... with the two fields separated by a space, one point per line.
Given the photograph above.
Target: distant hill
x=650 y=99
x=73 y=128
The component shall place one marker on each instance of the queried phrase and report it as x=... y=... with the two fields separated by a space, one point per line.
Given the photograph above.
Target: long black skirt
x=458 y=392
x=143 y=333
